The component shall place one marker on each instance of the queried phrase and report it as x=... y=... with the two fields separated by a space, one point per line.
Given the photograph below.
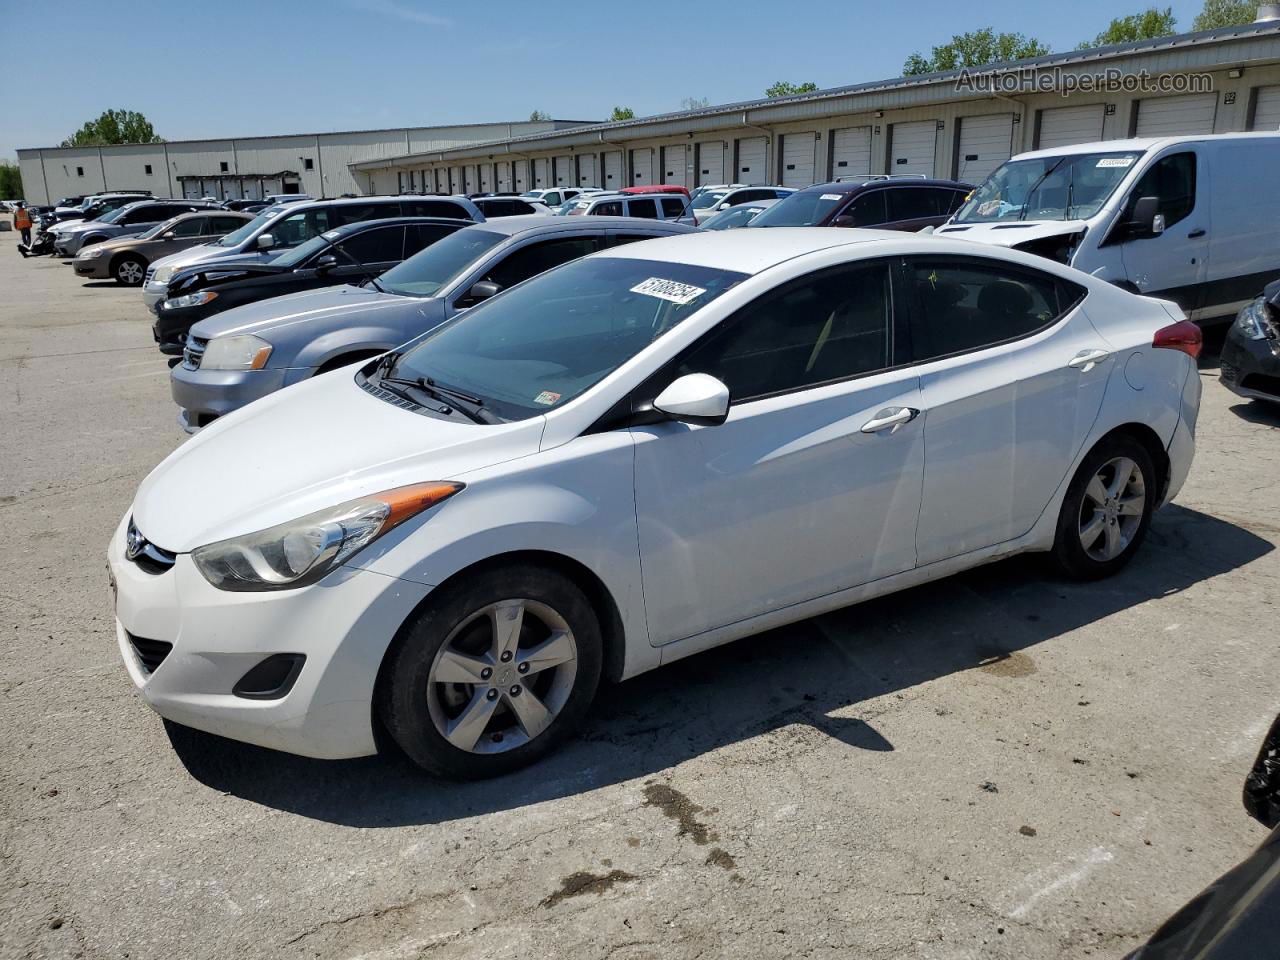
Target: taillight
x=1184 y=336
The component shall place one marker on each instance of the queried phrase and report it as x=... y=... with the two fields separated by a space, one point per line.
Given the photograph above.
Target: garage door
x=851 y=152
x=1063 y=126
x=985 y=143
x=541 y=173
x=673 y=164
x=710 y=162
x=455 y=180
x=486 y=176
x=751 y=161
x=564 y=171
x=799 y=159
x=1266 y=109
x=504 y=175
x=642 y=167
x=613 y=178
x=587 y=172
x=1175 y=116
x=912 y=147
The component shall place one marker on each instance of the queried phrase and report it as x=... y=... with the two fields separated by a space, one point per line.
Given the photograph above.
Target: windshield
x=704 y=200
x=1071 y=187
x=429 y=270
x=542 y=343
x=532 y=193
x=237 y=237
x=802 y=209
x=295 y=255
x=113 y=216
x=733 y=217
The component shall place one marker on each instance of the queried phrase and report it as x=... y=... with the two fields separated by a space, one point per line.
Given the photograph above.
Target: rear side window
x=191 y=228
x=1172 y=180
x=868 y=209
x=612 y=208
x=538 y=257
x=345 y=213
x=672 y=208
x=377 y=246
x=644 y=207
x=434 y=208
x=829 y=325
x=292 y=230
x=962 y=305
x=221 y=225
x=422 y=235
x=914 y=203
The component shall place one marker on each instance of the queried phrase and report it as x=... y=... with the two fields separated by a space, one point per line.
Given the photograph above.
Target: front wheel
x=1107 y=510
x=493 y=673
x=129 y=271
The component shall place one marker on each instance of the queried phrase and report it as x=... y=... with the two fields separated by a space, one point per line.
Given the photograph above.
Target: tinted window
x=612 y=208
x=825 y=326
x=376 y=246
x=222 y=225
x=434 y=208
x=537 y=257
x=294 y=229
x=422 y=235
x=913 y=203
x=964 y=305
x=1172 y=179
x=644 y=207
x=623 y=238
x=344 y=213
x=868 y=209
x=193 y=227
x=802 y=209
x=145 y=215
x=424 y=274
x=672 y=208
x=552 y=199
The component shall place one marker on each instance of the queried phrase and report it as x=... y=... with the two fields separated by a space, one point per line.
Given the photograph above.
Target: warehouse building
x=315 y=163
x=943 y=125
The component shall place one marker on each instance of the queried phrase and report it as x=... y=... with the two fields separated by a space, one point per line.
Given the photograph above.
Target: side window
x=376 y=246
x=963 y=305
x=518 y=207
x=957 y=198
x=224 y=225
x=552 y=199
x=1173 y=180
x=612 y=208
x=828 y=325
x=672 y=208
x=143 y=215
x=867 y=209
x=194 y=227
x=356 y=212
x=422 y=235
x=621 y=239
x=642 y=207
x=537 y=257
x=912 y=203
x=293 y=230
x=434 y=208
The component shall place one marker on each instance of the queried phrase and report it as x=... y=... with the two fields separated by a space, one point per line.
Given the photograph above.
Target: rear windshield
x=802 y=209
x=426 y=273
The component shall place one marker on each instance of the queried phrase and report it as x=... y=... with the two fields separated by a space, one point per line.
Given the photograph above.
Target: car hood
x=310 y=306
x=198 y=254
x=113 y=244
x=318 y=443
x=80 y=226
x=1010 y=234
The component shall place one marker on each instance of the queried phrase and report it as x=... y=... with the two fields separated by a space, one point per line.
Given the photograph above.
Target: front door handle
x=890 y=418
x=1195 y=233
x=1086 y=360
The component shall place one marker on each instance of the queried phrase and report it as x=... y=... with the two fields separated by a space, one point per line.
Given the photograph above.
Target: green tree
x=623 y=113
x=1224 y=13
x=539 y=115
x=1137 y=26
x=114 y=126
x=975 y=49
x=694 y=103
x=10 y=181
x=784 y=88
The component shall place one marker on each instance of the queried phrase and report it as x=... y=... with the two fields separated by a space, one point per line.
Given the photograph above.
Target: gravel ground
x=998 y=765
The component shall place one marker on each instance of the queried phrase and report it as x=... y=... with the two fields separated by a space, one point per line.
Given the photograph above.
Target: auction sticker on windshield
x=830 y=196
x=672 y=290
x=1116 y=162
x=546 y=398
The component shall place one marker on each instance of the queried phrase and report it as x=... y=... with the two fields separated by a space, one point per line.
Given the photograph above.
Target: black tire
x=1070 y=555
x=406 y=696
x=129 y=270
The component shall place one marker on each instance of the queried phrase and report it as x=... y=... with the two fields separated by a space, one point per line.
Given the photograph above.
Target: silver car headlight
x=245 y=352
x=302 y=551
x=163 y=274
x=190 y=300
x=1254 y=323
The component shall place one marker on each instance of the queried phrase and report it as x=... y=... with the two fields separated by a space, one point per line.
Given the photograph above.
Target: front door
x=810 y=486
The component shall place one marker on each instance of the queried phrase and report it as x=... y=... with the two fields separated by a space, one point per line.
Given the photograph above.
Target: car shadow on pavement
x=99 y=284
x=787 y=682
x=1258 y=411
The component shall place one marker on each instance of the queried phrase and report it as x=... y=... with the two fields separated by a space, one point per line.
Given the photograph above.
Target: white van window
x=1172 y=181
x=1069 y=187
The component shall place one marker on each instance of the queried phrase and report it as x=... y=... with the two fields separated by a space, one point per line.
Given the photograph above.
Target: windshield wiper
x=470 y=407
x=370 y=277
x=1036 y=186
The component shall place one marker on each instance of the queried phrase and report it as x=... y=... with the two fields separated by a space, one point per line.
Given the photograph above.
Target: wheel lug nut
x=486 y=673
x=506 y=656
x=523 y=668
x=492 y=695
x=515 y=691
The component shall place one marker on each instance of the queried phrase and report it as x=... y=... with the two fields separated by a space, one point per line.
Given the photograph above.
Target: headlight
x=163 y=274
x=190 y=300
x=90 y=253
x=1254 y=322
x=302 y=551
x=245 y=352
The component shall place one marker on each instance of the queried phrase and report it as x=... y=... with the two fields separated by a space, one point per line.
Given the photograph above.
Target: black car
x=1251 y=351
x=886 y=203
x=353 y=254
x=502 y=205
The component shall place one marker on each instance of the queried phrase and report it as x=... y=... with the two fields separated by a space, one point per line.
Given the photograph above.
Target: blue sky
x=255 y=67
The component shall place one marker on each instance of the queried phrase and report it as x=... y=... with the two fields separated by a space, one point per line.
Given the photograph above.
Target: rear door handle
x=1195 y=233
x=1086 y=360
x=890 y=418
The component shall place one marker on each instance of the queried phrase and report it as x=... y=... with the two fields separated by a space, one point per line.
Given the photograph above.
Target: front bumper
x=1251 y=368
x=343 y=625
x=153 y=294
x=205 y=395
x=94 y=269
x=171 y=327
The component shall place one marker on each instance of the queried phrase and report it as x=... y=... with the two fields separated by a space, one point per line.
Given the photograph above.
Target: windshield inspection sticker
x=546 y=398
x=830 y=196
x=1116 y=162
x=681 y=293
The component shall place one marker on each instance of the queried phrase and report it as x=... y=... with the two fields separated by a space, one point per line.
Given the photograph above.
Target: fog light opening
x=272 y=678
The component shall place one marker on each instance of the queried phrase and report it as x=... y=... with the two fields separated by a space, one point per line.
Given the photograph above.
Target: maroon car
x=888 y=203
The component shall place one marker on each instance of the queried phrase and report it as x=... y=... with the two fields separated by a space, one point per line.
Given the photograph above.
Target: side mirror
x=697 y=398
x=266 y=241
x=483 y=290
x=169 y=235
x=327 y=262
x=844 y=220
x=1143 y=221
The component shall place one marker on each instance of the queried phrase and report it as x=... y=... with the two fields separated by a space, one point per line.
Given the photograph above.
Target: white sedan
x=630 y=458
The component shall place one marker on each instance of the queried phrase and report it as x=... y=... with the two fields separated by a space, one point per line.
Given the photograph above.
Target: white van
x=1195 y=220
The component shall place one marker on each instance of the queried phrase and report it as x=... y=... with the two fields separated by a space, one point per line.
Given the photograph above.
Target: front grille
x=1228 y=372
x=151 y=275
x=146 y=555
x=193 y=352
x=151 y=653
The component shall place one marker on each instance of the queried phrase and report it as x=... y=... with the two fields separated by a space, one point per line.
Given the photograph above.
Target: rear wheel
x=129 y=270
x=493 y=673
x=1107 y=509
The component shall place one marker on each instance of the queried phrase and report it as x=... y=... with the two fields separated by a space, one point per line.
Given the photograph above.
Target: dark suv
x=888 y=203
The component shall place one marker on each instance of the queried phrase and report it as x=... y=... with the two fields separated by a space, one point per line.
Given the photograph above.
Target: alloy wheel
x=502 y=676
x=130 y=272
x=1112 y=508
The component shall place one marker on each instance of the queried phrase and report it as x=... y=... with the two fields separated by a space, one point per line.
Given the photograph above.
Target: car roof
x=349 y=228
x=749 y=251
x=616 y=195
x=1142 y=144
x=533 y=222
x=852 y=186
